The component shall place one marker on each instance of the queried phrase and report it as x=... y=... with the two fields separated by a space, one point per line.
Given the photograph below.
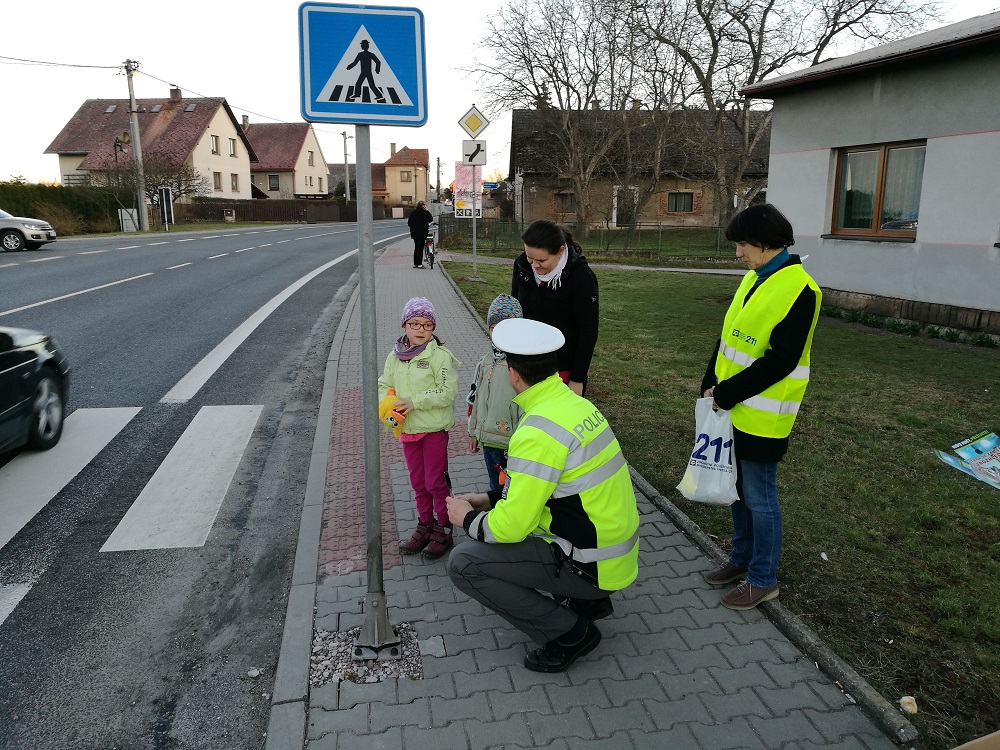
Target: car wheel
x=12 y=240
x=46 y=412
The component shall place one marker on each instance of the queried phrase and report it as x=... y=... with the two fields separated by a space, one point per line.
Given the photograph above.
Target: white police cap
x=523 y=336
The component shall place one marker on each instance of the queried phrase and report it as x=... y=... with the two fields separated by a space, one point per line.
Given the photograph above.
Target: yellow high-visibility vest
x=568 y=483
x=746 y=335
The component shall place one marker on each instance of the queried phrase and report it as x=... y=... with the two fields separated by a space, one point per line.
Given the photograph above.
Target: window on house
x=111 y=108
x=232 y=147
x=156 y=108
x=406 y=200
x=273 y=183
x=680 y=202
x=217 y=180
x=311 y=164
x=215 y=143
x=406 y=176
x=321 y=184
x=234 y=182
x=309 y=181
x=878 y=190
x=565 y=203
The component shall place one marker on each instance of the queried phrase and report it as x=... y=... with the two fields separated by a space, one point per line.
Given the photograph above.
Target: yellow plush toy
x=388 y=414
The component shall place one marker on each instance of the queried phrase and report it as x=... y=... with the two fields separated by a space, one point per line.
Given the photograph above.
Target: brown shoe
x=724 y=574
x=440 y=543
x=746 y=596
x=420 y=539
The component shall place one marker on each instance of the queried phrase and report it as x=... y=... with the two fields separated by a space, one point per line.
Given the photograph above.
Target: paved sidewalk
x=674 y=670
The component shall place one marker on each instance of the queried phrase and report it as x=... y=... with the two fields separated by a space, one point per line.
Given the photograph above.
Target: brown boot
x=440 y=543
x=420 y=539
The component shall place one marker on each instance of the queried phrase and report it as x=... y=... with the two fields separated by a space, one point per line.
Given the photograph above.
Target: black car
x=34 y=382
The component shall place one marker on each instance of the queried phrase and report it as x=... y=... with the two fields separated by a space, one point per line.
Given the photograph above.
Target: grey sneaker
x=724 y=574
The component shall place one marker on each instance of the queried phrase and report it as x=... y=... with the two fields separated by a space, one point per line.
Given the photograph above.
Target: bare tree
x=182 y=179
x=727 y=45
x=568 y=59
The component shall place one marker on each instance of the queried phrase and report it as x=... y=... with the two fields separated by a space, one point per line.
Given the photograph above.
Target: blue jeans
x=757 y=522
x=493 y=457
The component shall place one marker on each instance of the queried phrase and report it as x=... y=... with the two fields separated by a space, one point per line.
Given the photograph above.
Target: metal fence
x=640 y=241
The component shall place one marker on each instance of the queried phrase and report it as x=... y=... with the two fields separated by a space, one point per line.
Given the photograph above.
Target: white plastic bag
x=711 y=473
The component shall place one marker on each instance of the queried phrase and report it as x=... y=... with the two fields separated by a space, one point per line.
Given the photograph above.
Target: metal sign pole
x=475 y=274
x=377 y=639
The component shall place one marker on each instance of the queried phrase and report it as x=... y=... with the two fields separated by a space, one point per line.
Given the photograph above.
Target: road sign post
x=364 y=65
x=474 y=122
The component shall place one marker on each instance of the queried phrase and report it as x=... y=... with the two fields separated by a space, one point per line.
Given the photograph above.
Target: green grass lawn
x=909 y=594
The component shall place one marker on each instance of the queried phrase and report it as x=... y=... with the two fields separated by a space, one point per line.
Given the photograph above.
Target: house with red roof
x=406 y=176
x=290 y=162
x=202 y=133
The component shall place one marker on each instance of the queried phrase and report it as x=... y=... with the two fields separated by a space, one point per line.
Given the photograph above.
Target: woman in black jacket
x=554 y=284
x=419 y=221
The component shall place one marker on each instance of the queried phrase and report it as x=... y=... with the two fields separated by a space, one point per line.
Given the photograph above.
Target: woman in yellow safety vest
x=759 y=371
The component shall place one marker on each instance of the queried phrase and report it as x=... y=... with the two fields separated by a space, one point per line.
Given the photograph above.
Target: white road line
x=279 y=242
x=220 y=255
x=74 y=294
x=29 y=481
x=187 y=239
x=150 y=244
x=8 y=265
x=129 y=247
x=179 y=504
x=267 y=245
x=213 y=237
x=243 y=250
x=171 y=268
x=42 y=260
x=191 y=383
x=10 y=596
x=92 y=252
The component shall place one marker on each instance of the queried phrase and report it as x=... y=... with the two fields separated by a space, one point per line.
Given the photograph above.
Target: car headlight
x=33 y=227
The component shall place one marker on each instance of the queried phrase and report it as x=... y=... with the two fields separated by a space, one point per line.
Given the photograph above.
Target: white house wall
x=955 y=106
x=206 y=162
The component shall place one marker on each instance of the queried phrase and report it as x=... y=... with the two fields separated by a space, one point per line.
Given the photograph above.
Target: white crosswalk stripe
x=179 y=504
x=31 y=480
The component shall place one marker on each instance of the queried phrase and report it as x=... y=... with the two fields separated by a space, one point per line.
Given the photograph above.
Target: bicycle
x=429 y=250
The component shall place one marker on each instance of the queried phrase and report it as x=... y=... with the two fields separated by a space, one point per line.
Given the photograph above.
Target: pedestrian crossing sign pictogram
x=362 y=65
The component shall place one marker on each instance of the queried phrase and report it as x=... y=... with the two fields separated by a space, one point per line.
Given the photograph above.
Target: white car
x=18 y=233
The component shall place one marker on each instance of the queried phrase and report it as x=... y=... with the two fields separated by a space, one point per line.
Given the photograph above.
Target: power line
x=22 y=61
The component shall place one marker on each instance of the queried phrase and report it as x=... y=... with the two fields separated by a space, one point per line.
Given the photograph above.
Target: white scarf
x=554 y=277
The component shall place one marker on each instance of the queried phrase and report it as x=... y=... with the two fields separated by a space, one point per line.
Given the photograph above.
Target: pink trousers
x=427 y=461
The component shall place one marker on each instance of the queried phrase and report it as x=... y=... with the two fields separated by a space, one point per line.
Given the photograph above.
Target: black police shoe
x=591 y=609
x=556 y=657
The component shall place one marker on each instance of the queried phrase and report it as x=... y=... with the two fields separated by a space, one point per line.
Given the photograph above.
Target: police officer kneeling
x=565 y=522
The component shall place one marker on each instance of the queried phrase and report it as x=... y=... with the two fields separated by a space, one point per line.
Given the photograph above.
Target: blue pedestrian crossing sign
x=362 y=65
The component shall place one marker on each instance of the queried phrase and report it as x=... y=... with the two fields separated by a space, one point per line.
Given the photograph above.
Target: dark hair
x=761 y=225
x=534 y=368
x=549 y=236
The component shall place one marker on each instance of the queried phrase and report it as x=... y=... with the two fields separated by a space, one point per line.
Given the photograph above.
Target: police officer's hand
x=458 y=509
x=576 y=387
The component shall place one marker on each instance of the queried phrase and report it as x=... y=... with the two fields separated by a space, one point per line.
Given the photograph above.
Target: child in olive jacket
x=493 y=415
x=421 y=371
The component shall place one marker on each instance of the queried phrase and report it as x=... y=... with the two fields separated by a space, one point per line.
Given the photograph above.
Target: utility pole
x=347 y=170
x=439 y=180
x=133 y=124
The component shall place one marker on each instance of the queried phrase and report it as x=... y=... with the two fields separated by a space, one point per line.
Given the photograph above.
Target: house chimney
x=175 y=94
x=246 y=122
x=392 y=150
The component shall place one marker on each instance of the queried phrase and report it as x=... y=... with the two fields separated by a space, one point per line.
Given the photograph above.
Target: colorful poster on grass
x=978 y=456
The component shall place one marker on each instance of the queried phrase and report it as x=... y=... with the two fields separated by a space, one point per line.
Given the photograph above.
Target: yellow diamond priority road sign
x=473 y=122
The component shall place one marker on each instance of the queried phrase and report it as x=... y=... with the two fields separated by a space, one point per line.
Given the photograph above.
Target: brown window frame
x=217 y=181
x=874 y=230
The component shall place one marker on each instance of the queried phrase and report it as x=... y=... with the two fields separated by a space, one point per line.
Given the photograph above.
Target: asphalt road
x=170 y=647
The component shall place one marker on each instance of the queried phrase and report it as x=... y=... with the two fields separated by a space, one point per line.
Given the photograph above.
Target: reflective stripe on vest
x=594 y=554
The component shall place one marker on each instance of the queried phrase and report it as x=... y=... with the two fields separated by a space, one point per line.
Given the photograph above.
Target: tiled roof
x=277 y=144
x=336 y=172
x=409 y=157
x=981 y=30
x=169 y=129
x=535 y=146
